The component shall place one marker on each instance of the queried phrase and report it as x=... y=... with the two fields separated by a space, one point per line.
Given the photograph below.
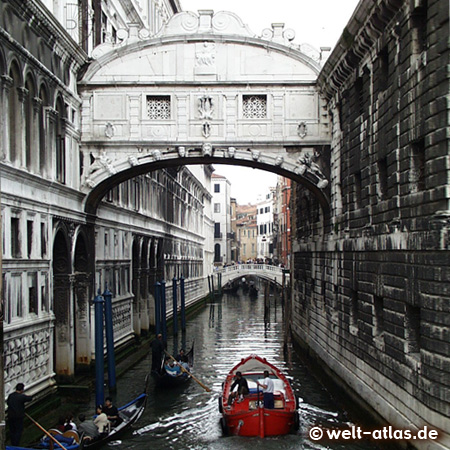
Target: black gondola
x=253 y=290
x=129 y=413
x=165 y=379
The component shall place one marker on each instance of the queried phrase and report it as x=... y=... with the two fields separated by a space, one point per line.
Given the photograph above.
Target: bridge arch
x=204 y=90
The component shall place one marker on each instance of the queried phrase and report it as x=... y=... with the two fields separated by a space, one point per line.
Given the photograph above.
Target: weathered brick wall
x=371 y=299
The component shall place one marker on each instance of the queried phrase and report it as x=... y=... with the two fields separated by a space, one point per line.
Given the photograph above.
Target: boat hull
x=247 y=416
x=250 y=423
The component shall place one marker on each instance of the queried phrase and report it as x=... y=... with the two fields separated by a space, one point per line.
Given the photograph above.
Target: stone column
x=231 y=108
x=6 y=84
x=182 y=117
x=35 y=135
x=21 y=142
x=51 y=117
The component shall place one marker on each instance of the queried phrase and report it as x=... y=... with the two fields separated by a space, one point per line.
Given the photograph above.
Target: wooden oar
x=46 y=432
x=206 y=388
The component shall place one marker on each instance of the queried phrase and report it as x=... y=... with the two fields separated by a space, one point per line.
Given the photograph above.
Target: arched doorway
x=63 y=329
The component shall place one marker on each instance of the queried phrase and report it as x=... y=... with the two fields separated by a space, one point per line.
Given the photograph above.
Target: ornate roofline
x=364 y=28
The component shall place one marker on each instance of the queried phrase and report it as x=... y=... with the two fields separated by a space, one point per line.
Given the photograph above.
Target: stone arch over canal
x=203 y=90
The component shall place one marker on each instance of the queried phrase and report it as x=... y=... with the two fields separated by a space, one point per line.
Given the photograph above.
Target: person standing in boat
x=16 y=413
x=268 y=388
x=157 y=353
x=242 y=387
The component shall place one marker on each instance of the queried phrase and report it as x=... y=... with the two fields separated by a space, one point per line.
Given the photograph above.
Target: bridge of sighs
x=204 y=90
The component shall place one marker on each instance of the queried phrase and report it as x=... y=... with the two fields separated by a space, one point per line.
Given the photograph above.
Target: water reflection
x=228 y=329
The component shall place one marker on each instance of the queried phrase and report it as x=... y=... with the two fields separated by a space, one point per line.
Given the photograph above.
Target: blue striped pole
x=107 y=295
x=175 y=306
x=183 y=304
x=99 y=356
x=157 y=308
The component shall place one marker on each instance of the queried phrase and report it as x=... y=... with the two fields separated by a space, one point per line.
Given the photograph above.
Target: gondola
x=129 y=413
x=253 y=291
x=166 y=378
x=247 y=416
x=69 y=440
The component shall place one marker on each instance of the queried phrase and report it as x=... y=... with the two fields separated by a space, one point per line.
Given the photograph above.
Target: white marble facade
x=97 y=186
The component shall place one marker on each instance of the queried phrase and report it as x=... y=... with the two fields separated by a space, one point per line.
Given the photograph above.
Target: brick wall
x=371 y=298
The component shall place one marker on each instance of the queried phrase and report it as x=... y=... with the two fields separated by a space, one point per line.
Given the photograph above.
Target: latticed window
x=158 y=107
x=254 y=106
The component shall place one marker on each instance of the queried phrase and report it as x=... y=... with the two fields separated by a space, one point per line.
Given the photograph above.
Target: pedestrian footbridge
x=274 y=274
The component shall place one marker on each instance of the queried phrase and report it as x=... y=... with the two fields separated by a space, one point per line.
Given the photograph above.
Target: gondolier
x=157 y=353
x=268 y=388
x=16 y=412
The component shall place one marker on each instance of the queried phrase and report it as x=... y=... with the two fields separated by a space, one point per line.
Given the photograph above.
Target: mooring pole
x=157 y=308
x=183 y=304
x=163 y=312
x=107 y=295
x=175 y=306
x=99 y=356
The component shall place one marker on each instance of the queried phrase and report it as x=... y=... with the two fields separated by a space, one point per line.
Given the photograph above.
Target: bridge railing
x=265 y=270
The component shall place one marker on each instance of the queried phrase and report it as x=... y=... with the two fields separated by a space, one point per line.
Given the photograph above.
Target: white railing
x=273 y=273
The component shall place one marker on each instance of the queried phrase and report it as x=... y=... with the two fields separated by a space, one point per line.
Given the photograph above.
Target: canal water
x=226 y=330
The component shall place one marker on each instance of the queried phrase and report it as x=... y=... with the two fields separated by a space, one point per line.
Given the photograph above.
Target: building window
x=359 y=87
x=254 y=106
x=29 y=238
x=419 y=19
x=383 y=177
x=417 y=172
x=412 y=328
x=60 y=143
x=217 y=207
x=43 y=240
x=44 y=295
x=32 y=293
x=217 y=188
x=158 y=107
x=217 y=257
x=15 y=237
x=383 y=67
x=217 y=233
x=15 y=296
x=354 y=311
x=378 y=303
x=357 y=181
x=267 y=209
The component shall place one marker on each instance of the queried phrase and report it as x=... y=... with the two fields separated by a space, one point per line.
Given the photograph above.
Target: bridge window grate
x=158 y=107
x=254 y=106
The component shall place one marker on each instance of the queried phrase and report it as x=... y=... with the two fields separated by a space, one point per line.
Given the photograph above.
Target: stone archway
x=63 y=330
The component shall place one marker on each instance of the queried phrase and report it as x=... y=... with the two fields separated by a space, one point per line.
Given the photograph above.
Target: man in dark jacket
x=242 y=388
x=157 y=353
x=16 y=412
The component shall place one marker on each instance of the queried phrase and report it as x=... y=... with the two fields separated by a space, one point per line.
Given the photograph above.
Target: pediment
x=203 y=48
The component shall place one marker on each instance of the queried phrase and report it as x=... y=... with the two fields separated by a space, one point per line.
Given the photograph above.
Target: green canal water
x=228 y=329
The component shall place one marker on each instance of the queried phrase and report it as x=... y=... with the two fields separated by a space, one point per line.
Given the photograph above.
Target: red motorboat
x=247 y=416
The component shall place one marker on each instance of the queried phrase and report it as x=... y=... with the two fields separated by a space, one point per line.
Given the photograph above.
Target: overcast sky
x=318 y=23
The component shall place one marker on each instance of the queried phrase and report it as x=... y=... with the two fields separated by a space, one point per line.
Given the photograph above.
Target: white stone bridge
x=204 y=90
x=265 y=271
